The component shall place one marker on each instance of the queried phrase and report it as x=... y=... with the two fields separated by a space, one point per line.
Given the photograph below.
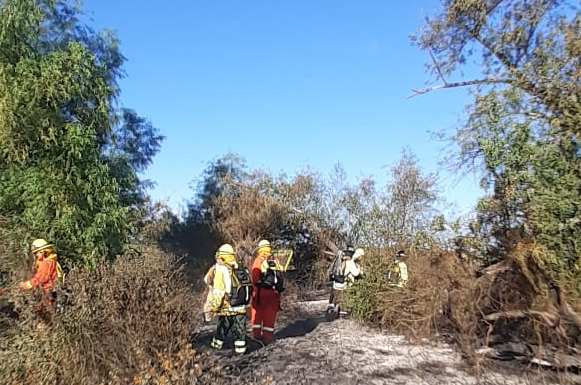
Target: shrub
x=128 y=321
x=416 y=310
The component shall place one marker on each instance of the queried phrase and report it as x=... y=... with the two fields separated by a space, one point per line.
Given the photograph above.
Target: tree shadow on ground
x=299 y=328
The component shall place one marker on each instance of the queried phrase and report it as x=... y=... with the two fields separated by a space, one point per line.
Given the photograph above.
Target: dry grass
x=446 y=298
x=125 y=322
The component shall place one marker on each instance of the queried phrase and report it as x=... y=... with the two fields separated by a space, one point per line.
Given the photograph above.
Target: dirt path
x=309 y=350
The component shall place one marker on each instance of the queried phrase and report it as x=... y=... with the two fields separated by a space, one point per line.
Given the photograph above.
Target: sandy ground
x=309 y=350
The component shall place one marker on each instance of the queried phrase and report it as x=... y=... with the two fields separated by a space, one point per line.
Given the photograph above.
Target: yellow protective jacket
x=223 y=289
x=401 y=268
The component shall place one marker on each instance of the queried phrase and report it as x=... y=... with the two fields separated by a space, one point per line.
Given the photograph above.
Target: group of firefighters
x=264 y=304
x=264 y=301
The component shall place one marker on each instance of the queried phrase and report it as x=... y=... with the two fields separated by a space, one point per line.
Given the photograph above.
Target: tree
x=69 y=167
x=230 y=167
x=528 y=53
x=410 y=200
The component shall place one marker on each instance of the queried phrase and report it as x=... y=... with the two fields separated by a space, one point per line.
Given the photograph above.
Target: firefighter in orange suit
x=45 y=269
x=266 y=301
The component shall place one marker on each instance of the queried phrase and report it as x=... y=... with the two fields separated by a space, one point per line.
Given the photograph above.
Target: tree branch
x=459 y=84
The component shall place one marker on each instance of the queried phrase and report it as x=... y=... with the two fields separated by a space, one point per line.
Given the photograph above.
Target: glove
x=214 y=308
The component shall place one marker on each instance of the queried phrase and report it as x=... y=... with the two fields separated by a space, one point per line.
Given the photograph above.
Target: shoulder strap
x=60 y=273
x=235 y=280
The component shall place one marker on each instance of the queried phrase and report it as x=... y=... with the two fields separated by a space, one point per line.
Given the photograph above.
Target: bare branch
x=458 y=84
x=437 y=66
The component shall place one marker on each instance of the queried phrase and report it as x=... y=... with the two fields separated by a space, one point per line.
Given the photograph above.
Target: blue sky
x=284 y=84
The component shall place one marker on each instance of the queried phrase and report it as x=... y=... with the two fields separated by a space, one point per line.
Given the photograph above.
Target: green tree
x=526 y=118
x=69 y=166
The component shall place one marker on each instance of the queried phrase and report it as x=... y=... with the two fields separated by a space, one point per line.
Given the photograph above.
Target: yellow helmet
x=39 y=244
x=226 y=253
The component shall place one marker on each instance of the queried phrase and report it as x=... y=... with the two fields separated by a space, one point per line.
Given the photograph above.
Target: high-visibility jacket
x=45 y=275
x=223 y=289
x=400 y=268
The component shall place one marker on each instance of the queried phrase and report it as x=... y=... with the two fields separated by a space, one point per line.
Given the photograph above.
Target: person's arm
x=209 y=277
x=221 y=280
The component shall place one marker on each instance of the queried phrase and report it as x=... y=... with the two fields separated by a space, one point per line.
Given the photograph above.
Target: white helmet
x=358 y=253
x=263 y=243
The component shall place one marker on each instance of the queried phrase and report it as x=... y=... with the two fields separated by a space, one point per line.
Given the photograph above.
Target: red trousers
x=265 y=306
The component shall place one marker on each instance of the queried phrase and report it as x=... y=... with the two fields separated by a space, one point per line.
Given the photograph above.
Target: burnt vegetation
x=503 y=283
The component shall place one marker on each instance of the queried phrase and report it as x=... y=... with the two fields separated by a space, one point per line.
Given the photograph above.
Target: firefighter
x=398 y=272
x=355 y=271
x=47 y=269
x=265 y=271
x=231 y=319
x=344 y=278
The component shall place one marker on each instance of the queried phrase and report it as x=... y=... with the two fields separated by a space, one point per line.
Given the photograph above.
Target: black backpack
x=272 y=278
x=241 y=287
x=337 y=270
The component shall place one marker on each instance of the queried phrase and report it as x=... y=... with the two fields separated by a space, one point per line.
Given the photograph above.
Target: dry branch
x=457 y=84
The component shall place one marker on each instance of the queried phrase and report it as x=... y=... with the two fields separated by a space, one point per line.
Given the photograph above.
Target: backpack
x=272 y=278
x=60 y=274
x=337 y=271
x=241 y=287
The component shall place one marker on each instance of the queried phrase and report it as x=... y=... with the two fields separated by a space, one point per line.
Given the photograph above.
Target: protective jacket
x=351 y=272
x=208 y=315
x=266 y=301
x=45 y=275
x=223 y=289
x=400 y=269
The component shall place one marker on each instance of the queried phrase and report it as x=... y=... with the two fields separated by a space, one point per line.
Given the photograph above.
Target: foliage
x=69 y=164
x=524 y=123
x=414 y=310
x=307 y=212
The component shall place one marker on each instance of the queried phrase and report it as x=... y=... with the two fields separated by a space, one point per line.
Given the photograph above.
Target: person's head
x=348 y=251
x=264 y=247
x=40 y=248
x=400 y=254
x=358 y=254
x=226 y=253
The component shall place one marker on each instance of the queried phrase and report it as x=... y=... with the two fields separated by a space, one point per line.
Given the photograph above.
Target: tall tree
x=68 y=165
x=528 y=53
